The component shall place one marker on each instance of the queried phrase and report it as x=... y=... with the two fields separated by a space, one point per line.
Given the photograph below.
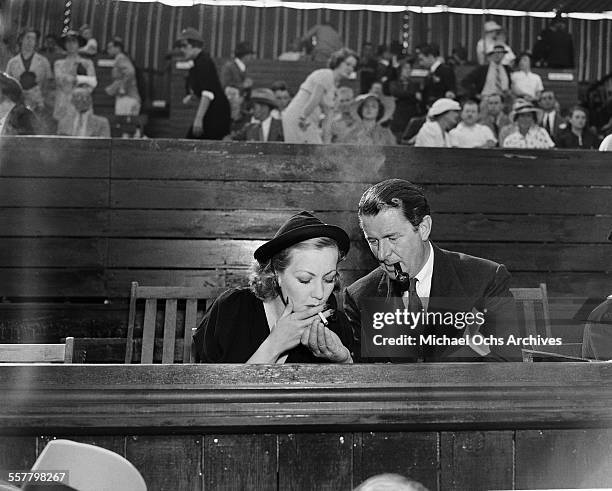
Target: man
x=32 y=70
x=442 y=116
x=440 y=82
x=283 y=97
x=343 y=119
x=552 y=121
x=325 y=39
x=240 y=117
x=493 y=78
x=83 y=122
x=555 y=46
x=234 y=72
x=212 y=117
x=460 y=294
x=263 y=127
x=468 y=133
x=493 y=115
x=124 y=87
x=493 y=34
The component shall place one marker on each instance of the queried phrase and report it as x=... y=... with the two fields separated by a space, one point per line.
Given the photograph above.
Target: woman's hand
x=290 y=326
x=325 y=343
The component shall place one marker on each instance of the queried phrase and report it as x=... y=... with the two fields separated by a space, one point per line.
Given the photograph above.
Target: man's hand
x=198 y=129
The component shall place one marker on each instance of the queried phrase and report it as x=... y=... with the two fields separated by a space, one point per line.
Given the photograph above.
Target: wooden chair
x=171 y=295
x=37 y=353
x=528 y=298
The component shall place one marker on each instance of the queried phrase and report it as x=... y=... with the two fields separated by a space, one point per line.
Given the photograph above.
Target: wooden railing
x=450 y=426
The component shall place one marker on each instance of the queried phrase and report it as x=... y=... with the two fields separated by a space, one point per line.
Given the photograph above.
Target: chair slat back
x=38 y=353
x=171 y=295
x=528 y=298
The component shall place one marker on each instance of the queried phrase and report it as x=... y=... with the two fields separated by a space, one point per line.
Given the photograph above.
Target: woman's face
x=309 y=279
x=578 y=120
x=72 y=45
x=524 y=121
x=346 y=68
x=525 y=63
x=369 y=110
x=406 y=70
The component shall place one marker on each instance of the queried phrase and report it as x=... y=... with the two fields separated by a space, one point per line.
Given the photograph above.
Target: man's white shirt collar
x=435 y=65
x=240 y=64
x=424 y=277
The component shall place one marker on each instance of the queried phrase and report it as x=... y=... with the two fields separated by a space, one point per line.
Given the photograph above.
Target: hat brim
x=300 y=234
x=537 y=111
x=268 y=102
x=80 y=39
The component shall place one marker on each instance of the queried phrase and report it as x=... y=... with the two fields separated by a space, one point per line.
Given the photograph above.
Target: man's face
x=494 y=105
x=345 y=98
x=392 y=238
x=112 y=50
x=232 y=94
x=28 y=43
x=283 y=98
x=187 y=50
x=547 y=101
x=376 y=89
x=261 y=111
x=469 y=114
x=496 y=57
x=81 y=101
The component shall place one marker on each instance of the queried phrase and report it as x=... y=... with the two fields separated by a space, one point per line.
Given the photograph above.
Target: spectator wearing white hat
x=493 y=34
x=469 y=133
x=527 y=133
x=443 y=116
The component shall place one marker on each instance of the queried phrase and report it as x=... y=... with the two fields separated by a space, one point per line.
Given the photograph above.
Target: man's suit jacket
x=438 y=83
x=475 y=81
x=558 y=125
x=460 y=283
x=250 y=132
x=97 y=126
x=232 y=75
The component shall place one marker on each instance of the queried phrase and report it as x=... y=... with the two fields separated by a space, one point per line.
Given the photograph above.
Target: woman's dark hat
x=298 y=228
x=72 y=34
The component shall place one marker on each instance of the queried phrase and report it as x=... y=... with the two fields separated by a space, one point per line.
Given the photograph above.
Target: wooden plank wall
x=442 y=460
x=84 y=218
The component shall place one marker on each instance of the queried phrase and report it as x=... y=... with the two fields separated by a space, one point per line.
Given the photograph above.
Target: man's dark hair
x=395 y=193
x=430 y=50
x=118 y=43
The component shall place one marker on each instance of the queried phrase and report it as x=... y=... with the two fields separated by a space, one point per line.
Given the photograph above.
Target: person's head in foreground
x=390 y=482
x=395 y=218
x=445 y=112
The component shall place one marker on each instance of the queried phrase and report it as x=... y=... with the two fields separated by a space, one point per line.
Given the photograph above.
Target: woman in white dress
x=315 y=99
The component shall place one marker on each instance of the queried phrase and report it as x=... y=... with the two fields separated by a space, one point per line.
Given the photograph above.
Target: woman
x=15 y=117
x=315 y=98
x=577 y=134
x=369 y=110
x=526 y=84
x=279 y=317
x=70 y=72
x=526 y=133
x=406 y=93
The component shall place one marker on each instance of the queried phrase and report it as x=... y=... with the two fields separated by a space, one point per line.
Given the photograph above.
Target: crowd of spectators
x=383 y=96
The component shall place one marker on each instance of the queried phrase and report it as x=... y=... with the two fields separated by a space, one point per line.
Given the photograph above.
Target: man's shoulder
x=468 y=265
x=366 y=285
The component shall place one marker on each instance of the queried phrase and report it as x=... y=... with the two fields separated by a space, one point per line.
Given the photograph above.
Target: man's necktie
x=414 y=302
x=547 y=124
x=498 y=80
x=260 y=135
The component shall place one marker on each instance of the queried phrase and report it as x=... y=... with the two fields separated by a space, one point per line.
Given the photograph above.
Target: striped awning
x=585 y=9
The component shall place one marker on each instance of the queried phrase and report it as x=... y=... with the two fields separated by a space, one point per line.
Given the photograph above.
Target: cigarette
x=323 y=319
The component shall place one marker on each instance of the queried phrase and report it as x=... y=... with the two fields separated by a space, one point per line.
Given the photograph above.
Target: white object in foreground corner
x=90 y=468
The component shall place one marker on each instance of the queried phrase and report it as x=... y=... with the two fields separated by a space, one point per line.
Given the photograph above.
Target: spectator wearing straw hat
x=212 y=118
x=15 y=117
x=493 y=35
x=70 y=72
x=493 y=78
x=263 y=127
x=369 y=110
x=527 y=133
x=442 y=116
